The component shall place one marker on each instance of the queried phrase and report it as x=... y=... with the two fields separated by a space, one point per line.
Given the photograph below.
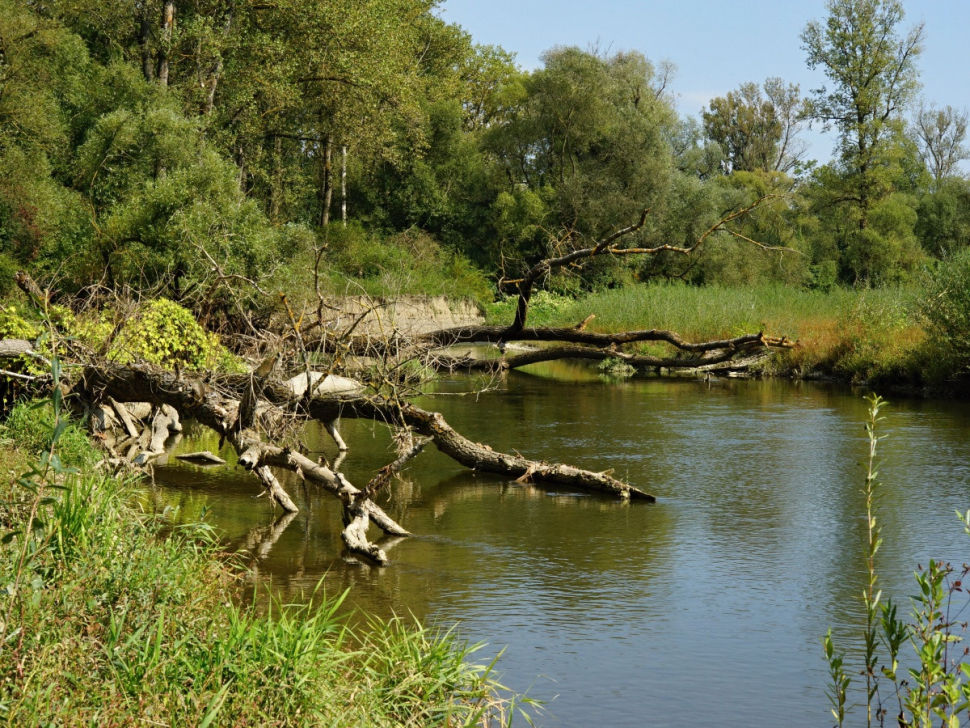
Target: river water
x=705 y=608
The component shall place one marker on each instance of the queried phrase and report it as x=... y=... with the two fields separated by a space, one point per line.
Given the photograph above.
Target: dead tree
x=219 y=409
x=573 y=342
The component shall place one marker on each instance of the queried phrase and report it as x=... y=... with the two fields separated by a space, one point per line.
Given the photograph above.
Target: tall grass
x=703 y=312
x=116 y=617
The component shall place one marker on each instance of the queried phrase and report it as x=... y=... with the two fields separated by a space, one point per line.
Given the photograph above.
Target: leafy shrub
x=879 y=341
x=410 y=263
x=8 y=267
x=13 y=324
x=936 y=688
x=167 y=334
x=615 y=368
x=944 y=310
x=545 y=309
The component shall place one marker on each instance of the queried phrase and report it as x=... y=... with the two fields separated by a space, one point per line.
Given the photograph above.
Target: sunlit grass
x=120 y=617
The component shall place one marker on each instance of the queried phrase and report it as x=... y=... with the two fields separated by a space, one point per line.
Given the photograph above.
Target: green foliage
x=943 y=219
x=588 y=171
x=869 y=335
x=545 y=309
x=31 y=427
x=13 y=324
x=110 y=615
x=164 y=333
x=941 y=135
x=879 y=342
x=122 y=622
x=756 y=130
x=887 y=251
x=461 y=168
x=732 y=261
x=839 y=681
x=874 y=77
x=410 y=263
x=944 y=308
x=614 y=368
x=823 y=276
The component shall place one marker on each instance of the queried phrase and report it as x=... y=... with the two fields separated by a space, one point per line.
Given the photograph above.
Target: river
x=705 y=608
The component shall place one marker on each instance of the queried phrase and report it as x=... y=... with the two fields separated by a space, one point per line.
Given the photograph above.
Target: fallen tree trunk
x=216 y=411
x=742 y=354
x=367 y=345
x=238 y=407
x=220 y=413
x=454 y=445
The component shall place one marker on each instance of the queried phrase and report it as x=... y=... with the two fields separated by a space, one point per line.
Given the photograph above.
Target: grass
x=114 y=617
x=858 y=335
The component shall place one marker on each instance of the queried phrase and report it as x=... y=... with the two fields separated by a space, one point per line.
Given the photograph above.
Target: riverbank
x=871 y=337
x=111 y=615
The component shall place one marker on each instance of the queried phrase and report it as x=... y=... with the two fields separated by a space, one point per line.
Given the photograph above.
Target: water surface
x=703 y=609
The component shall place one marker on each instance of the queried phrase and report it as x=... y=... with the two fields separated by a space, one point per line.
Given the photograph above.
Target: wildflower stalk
x=871 y=596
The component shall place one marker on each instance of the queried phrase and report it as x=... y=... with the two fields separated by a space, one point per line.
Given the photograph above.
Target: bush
x=545 y=309
x=944 y=310
x=13 y=325
x=167 y=334
x=409 y=263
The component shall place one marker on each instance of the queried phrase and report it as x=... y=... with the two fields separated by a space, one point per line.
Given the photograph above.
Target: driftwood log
x=570 y=343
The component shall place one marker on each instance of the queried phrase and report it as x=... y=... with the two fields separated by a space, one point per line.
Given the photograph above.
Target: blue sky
x=716 y=44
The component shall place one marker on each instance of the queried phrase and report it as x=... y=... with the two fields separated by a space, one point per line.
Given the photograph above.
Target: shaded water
x=703 y=609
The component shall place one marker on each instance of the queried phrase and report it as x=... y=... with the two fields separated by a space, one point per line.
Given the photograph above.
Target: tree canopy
x=144 y=143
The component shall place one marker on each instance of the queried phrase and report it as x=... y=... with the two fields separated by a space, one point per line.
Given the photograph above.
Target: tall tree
x=873 y=74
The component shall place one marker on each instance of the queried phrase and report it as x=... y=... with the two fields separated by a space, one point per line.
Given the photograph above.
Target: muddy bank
x=405 y=314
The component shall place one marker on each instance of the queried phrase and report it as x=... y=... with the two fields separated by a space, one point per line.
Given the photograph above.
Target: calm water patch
x=703 y=609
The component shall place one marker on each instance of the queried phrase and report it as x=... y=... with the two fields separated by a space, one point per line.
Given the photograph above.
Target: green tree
x=943 y=224
x=873 y=75
x=758 y=130
x=44 y=73
x=586 y=150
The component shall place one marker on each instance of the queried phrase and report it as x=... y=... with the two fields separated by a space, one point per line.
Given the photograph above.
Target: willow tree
x=587 y=145
x=941 y=135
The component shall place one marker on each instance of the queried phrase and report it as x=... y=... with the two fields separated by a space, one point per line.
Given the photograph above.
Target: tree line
x=143 y=143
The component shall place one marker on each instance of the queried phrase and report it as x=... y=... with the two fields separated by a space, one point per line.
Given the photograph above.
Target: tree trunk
x=325 y=191
x=216 y=73
x=168 y=23
x=343 y=186
x=210 y=99
x=145 y=41
x=276 y=189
